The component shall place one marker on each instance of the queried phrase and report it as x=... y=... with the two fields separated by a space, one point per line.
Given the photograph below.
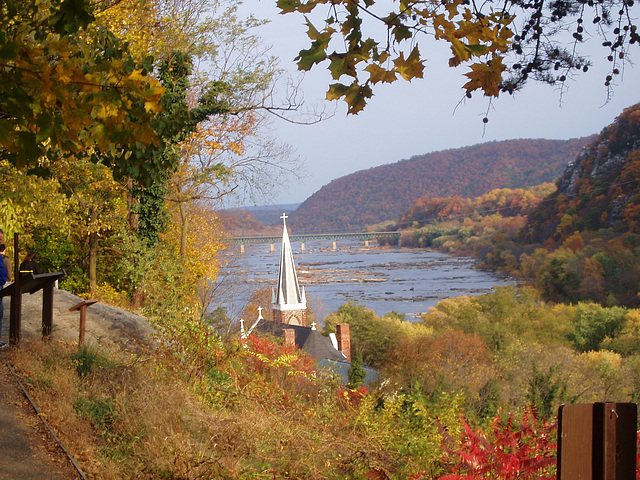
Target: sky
x=407 y=119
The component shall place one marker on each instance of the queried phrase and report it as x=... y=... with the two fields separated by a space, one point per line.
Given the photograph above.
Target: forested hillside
x=381 y=193
x=238 y=222
x=599 y=189
x=579 y=243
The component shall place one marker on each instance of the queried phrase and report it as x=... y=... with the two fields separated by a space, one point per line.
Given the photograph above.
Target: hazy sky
x=407 y=119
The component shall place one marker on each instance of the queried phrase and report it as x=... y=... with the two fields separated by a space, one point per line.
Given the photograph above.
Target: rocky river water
x=407 y=281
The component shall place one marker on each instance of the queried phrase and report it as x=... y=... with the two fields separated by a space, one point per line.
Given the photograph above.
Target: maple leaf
x=337 y=91
x=308 y=58
x=378 y=74
x=288 y=6
x=485 y=76
x=356 y=97
x=317 y=52
x=411 y=67
x=341 y=64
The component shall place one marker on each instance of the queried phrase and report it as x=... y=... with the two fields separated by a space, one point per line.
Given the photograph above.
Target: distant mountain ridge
x=383 y=193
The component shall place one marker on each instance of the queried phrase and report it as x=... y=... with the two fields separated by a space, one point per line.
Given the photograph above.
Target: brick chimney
x=344 y=339
x=289 y=336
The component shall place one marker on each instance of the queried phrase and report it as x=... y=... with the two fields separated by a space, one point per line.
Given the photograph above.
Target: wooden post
x=242 y=248
x=16 y=296
x=302 y=246
x=597 y=441
x=335 y=245
x=273 y=248
x=82 y=306
x=47 y=310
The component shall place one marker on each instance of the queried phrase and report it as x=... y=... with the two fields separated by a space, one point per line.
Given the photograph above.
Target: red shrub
x=511 y=450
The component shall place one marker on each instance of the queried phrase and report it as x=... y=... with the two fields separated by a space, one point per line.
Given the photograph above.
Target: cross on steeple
x=284 y=219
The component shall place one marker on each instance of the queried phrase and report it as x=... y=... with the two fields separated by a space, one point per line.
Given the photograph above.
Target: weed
x=85 y=360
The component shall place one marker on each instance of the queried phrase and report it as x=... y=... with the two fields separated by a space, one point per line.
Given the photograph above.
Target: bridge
x=334 y=237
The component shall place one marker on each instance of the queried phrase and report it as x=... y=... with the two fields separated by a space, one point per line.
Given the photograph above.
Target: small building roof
x=308 y=339
x=341 y=368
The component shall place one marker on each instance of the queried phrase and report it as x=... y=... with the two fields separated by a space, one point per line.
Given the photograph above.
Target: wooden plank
x=625 y=417
x=575 y=442
x=597 y=441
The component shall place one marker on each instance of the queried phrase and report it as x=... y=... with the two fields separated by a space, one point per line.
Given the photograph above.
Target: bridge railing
x=316 y=236
x=334 y=237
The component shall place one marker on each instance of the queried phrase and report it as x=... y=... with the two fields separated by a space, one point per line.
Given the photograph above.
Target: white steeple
x=288 y=297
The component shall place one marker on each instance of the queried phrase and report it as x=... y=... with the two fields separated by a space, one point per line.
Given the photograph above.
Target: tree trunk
x=93 y=254
x=132 y=205
x=184 y=221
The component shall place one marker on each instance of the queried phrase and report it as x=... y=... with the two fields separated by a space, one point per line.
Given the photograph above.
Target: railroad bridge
x=333 y=237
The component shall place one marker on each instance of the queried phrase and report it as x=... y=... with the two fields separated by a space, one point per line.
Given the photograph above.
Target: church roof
x=341 y=368
x=330 y=360
x=288 y=293
x=308 y=339
x=320 y=347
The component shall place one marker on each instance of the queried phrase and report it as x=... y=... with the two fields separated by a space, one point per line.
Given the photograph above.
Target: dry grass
x=129 y=417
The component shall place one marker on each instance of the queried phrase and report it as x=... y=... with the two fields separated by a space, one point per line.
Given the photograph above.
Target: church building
x=288 y=301
x=289 y=320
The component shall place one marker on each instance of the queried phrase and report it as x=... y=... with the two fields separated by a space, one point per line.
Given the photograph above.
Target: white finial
x=242 y=332
x=284 y=218
x=313 y=325
x=260 y=317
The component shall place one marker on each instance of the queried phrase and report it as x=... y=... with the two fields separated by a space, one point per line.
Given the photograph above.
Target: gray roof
x=341 y=368
x=320 y=348
x=311 y=341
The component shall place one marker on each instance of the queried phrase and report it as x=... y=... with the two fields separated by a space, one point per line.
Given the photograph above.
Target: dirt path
x=27 y=450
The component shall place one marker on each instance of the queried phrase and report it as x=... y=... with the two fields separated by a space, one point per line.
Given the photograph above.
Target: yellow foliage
x=631 y=324
x=30 y=202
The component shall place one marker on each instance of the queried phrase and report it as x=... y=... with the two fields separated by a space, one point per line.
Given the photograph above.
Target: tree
x=511 y=449
x=96 y=208
x=175 y=124
x=226 y=153
x=504 y=44
x=70 y=89
x=370 y=335
x=356 y=374
x=558 y=278
x=595 y=323
x=545 y=392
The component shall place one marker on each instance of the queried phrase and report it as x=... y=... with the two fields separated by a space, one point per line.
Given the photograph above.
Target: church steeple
x=289 y=302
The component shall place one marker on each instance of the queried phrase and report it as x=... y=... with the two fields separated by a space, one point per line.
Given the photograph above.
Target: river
x=407 y=281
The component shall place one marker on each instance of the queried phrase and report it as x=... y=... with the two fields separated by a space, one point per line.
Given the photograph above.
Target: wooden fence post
x=597 y=441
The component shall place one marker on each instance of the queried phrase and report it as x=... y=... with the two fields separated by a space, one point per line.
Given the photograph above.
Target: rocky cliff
x=599 y=189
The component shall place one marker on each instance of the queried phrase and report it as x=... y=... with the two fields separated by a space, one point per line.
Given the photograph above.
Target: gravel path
x=27 y=451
